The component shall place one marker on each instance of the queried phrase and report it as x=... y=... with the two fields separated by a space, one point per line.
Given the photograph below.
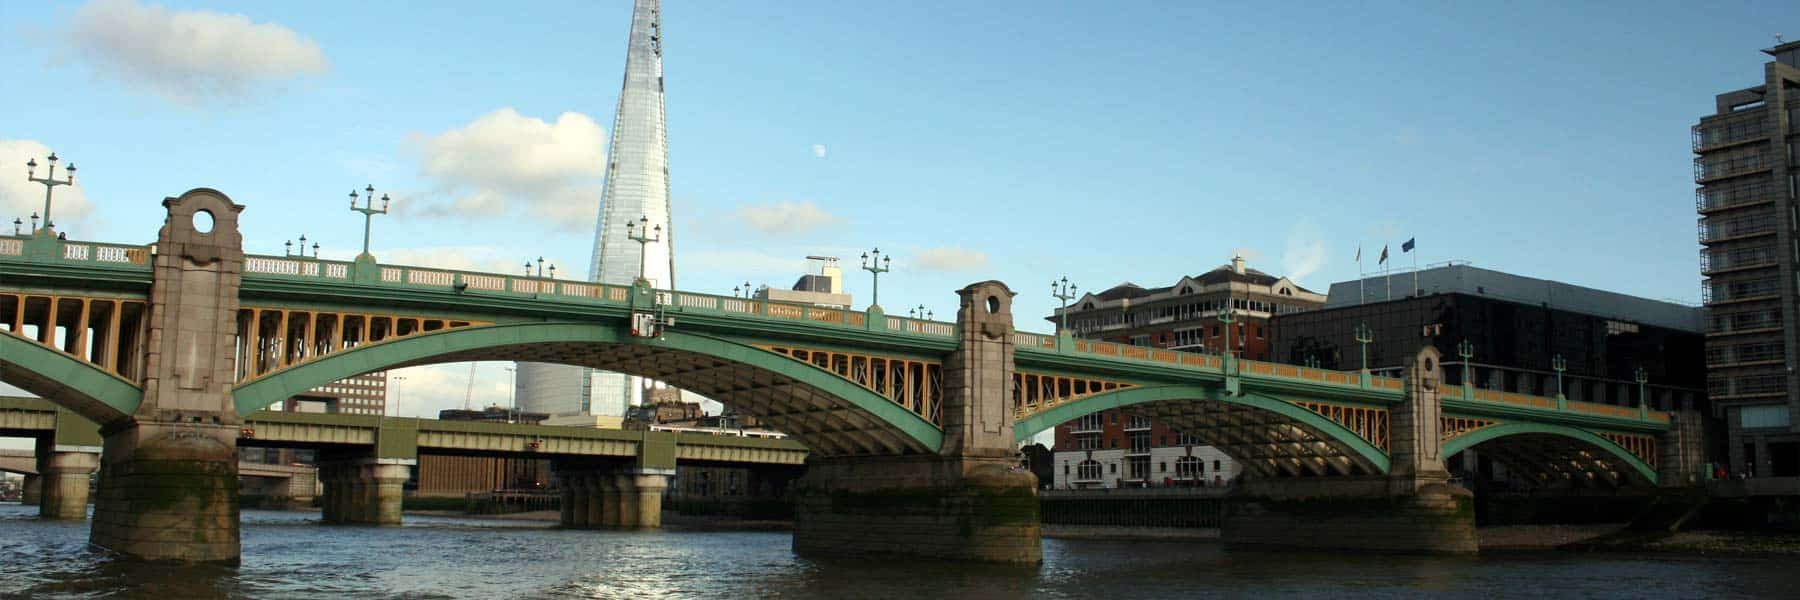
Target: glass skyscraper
x=636 y=193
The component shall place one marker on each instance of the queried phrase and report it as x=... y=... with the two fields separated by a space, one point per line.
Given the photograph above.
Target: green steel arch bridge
x=188 y=332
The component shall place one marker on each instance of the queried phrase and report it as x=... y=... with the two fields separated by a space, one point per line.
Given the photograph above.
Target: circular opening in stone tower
x=203 y=221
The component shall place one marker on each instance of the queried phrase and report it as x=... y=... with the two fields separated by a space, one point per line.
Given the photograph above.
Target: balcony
x=1736 y=259
x=1732 y=195
x=1719 y=231
x=1713 y=168
x=1740 y=129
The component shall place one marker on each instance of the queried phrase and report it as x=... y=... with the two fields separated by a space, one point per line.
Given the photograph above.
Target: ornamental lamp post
x=641 y=233
x=1642 y=377
x=368 y=211
x=1364 y=335
x=876 y=265
x=1466 y=350
x=1064 y=291
x=1559 y=364
x=50 y=182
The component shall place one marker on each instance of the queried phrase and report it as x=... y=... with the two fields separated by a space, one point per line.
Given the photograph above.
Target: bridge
x=285 y=480
x=910 y=424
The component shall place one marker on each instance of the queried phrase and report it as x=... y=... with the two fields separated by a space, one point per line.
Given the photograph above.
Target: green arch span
x=70 y=382
x=374 y=357
x=1140 y=395
x=1473 y=438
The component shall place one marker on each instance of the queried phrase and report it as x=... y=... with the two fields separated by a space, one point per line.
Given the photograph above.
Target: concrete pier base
x=934 y=507
x=169 y=491
x=64 y=476
x=613 y=497
x=1357 y=515
x=364 y=491
x=33 y=494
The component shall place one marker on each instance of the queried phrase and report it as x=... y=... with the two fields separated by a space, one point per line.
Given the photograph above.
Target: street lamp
x=643 y=236
x=1559 y=364
x=1227 y=317
x=368 y=211
x=875 y=264
x=745 y=294
x=1466 y=350
x=1064 y=291
x=1642 y=378
x=512 y=402
x=50 y=182
x=920 y=312
x=16 y=224
x=1364 y=335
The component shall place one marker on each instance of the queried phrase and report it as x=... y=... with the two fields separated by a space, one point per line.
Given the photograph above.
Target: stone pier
x=168 y=477
x=33 y=494
x=612 y=497
x=1412 y=509
x=62 y=478
x=964 y=503
x=364 y=491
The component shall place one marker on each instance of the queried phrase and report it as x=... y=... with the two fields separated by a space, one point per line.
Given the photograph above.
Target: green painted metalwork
x=1070 y=411
x=1493 y=432
x=424 y=348
x=656 y=451
x=113 y=398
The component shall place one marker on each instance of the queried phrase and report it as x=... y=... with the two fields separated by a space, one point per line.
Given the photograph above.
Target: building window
x=1140 y=442
x=1139 y=468
x=1215 y=465
x=1088 y=470
x=1112 y=468
x=1775 y=415
x=1189 y=467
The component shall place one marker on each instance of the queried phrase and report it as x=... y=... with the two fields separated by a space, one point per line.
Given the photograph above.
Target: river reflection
x=290 y=555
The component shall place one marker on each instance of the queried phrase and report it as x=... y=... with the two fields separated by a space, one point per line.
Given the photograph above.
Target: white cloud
x=818 y=150
x=505 y=162
x=950 y=259
x=1305 y=253
x=188 y=56
x=429 y=389
x=22 y=198
x=785 y=217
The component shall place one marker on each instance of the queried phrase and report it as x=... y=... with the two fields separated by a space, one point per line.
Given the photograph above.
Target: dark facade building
x=1747 y=165
x=1517 y=327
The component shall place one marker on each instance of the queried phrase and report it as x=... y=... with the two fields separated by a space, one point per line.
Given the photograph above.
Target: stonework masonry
x=966 y=502
x=168 y=477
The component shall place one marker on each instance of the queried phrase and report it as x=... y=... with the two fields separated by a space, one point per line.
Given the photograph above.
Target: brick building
x=1111 y=449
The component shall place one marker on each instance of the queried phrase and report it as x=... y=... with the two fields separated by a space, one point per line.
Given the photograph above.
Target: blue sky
x=1020 y=141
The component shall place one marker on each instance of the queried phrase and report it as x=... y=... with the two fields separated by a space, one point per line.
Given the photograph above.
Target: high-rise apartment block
x=1748 y=170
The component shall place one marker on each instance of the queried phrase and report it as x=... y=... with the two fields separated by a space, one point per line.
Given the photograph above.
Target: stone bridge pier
x=168 y=474
x=964 y=503
x=599 y=494
x=62 y=479
x=1412 y=509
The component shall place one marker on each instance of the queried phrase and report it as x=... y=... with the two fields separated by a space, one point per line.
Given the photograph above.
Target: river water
x=291 y=555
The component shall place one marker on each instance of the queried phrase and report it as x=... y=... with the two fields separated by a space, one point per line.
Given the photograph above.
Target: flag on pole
x=1408 y=246
x=1383 y=259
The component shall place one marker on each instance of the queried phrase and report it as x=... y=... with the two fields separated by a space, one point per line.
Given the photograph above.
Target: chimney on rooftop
x=1237 y=264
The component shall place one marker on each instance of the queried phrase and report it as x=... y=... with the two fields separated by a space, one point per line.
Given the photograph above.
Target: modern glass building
x=635 y=199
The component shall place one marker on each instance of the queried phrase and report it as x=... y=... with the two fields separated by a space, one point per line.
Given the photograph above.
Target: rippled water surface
x=291 y=555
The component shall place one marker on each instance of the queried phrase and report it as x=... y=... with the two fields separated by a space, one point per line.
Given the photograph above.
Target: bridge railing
x=75 y=251
x=1551 y=403
x=542 y=287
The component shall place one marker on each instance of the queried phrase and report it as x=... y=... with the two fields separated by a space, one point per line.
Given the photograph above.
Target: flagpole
x=1416 y=291
x=1361 y=298
x=1387 y=275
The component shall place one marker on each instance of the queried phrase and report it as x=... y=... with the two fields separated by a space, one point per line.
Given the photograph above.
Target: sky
x=1018 y=141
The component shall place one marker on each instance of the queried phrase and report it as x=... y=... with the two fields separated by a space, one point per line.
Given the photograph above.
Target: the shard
x=636 y=194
